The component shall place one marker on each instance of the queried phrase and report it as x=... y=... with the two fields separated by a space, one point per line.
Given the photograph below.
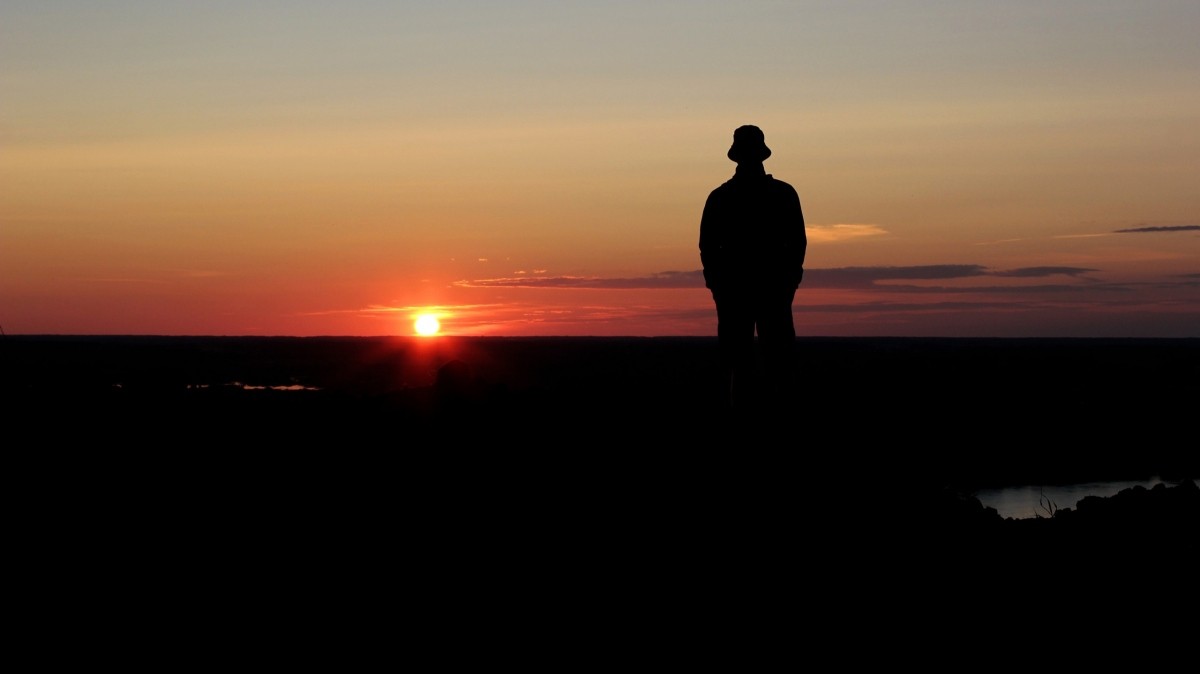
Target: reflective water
x=1037 y=501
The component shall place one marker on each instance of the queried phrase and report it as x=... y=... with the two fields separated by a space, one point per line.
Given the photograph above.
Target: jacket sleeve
x=799 y=244
x=710 y=242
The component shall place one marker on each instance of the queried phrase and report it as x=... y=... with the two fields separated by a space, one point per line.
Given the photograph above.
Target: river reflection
x=1035 y=501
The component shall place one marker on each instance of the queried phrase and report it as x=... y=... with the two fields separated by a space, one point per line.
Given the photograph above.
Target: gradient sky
x=967 y=168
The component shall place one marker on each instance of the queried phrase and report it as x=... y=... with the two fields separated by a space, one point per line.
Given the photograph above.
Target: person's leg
x=777 y=339
x=735 y=334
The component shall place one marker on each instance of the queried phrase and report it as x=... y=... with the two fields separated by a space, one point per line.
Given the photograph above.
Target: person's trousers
x=740 y=316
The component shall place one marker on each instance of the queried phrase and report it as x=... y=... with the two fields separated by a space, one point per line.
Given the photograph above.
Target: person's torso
x=757 y=220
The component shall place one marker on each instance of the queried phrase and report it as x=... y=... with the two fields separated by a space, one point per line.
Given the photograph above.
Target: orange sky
x=992 y=169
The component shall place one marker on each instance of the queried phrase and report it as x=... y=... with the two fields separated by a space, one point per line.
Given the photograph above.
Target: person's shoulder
x=722 y=188
x=781 y=185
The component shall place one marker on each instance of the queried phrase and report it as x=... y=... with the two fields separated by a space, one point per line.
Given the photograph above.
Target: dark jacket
x=752 y=235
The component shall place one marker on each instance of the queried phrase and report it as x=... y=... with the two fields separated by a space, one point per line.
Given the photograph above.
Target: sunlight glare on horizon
x=427 y=325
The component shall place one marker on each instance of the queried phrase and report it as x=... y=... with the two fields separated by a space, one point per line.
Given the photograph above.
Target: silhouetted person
x=752 y=246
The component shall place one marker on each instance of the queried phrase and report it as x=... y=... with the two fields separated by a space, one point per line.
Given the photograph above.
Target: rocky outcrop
x=1136 y=523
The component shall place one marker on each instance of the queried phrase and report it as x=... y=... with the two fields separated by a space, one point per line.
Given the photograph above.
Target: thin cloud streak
x=866 y=277
x=998 y=241
x=146 y=281
x=1174 y=228
x=660 y=280
x=594 y=320
x=174 y=275
x=871 y=277
x=839 y=277
x=1038 y=272
x=842 y=232
x=903 y=307
x=1007 y=290
x=416 y=308
x=200 y=273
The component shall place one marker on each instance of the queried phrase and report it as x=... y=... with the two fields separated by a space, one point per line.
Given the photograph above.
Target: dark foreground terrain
x=494 y=461
x=964 y=411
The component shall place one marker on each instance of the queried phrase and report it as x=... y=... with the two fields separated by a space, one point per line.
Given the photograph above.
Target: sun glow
x=427 y=325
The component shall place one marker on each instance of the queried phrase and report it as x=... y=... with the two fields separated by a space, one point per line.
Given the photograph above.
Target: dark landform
x=614 y=449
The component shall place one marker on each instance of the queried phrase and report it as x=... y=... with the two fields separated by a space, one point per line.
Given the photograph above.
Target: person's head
x=749 y=145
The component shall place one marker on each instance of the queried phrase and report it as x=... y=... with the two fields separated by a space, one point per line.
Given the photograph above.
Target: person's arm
x=801 y=245
x=798 y=246
x=710 y=243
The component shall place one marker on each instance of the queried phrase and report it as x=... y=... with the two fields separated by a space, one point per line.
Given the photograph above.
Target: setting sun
x=427 y=324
